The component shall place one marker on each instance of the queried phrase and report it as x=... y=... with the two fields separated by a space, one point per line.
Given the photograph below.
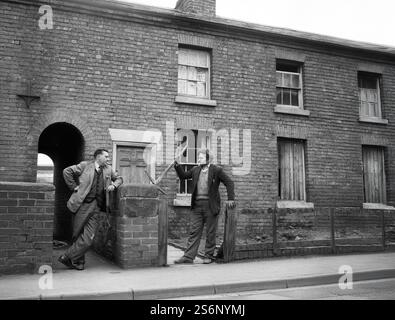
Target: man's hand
x=230 y=204
x=111 y=188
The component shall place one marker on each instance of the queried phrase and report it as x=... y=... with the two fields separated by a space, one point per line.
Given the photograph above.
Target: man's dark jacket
x=215 y=176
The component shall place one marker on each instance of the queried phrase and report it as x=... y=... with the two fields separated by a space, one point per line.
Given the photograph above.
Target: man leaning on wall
x=89 y=181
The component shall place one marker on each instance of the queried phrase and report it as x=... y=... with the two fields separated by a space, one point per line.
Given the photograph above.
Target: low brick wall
x=260 y=251
x=300 y=231
x=26 y=226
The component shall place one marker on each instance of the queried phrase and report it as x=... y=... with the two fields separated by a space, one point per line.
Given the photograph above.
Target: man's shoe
x=79 y=267
x=66 y=261
x=183 y=260
x=208 y=260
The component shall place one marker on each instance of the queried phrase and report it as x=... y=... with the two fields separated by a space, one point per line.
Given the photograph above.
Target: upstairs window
x=289 y=84
x=369 y=95
x=194 y=73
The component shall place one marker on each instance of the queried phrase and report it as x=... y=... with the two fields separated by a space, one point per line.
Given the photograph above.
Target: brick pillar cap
x=138 y=191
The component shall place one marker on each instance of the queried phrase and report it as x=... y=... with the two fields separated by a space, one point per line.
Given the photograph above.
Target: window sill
x=377 y=206
x=292 y=110
x=182 y=200
x=198 y=101
x=372 y=120
x=294 y=205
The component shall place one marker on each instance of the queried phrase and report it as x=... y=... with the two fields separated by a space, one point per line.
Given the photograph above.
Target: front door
x=131 y=165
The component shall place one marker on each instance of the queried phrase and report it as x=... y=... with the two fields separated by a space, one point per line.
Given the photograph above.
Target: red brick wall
x=100 y=70
x=26 y=226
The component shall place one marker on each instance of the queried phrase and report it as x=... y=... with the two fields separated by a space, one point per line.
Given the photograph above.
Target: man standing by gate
x=205 y=205
x=89 y=181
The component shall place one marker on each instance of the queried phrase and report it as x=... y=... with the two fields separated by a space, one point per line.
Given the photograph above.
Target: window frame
x=303 y=156
x=208 y=80
x=208 y=141
x=299 y=66
x=361 y=75
x=381 y=149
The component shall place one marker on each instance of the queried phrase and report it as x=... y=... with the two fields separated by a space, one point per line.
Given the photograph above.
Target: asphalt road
x=366 y=290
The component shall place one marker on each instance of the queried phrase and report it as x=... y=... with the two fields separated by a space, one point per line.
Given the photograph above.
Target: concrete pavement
x=361 y=290
x=103 y=280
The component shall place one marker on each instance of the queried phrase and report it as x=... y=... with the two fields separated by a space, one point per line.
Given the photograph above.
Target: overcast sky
x=362 y=20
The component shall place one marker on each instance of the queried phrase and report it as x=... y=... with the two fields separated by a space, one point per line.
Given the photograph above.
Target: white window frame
x=208 y=76
x=300 y=92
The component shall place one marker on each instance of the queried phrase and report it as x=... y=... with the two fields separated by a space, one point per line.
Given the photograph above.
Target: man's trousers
x=85 y=226
x=201 y=216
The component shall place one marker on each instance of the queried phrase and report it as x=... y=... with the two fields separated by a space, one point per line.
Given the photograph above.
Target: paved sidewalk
x=103 y=280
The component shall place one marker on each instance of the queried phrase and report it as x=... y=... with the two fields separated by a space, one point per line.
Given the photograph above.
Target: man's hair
x=99 y=152
x=206 y=152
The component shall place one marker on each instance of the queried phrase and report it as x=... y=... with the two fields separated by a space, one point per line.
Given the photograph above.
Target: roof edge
x=127 y=7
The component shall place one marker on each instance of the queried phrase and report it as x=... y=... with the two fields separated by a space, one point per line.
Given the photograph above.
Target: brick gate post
x=137 y=233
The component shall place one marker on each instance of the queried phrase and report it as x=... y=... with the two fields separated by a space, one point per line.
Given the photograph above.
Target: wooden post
x=333 y=240
x=274 y=223
x=383 y=229
x=230 y=234
x=162 y=233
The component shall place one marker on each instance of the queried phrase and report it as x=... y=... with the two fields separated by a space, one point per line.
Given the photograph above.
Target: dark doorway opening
x=64 y=144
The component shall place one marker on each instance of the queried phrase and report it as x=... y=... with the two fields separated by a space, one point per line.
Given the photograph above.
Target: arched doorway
x=64 y=144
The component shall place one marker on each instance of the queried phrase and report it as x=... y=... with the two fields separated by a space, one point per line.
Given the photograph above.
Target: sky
x=44 y=160
x=360 y=20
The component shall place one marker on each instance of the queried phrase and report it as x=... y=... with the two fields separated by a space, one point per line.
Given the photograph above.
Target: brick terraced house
x=304 y=123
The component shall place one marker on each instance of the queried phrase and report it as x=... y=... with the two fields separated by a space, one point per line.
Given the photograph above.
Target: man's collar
x=97 y=166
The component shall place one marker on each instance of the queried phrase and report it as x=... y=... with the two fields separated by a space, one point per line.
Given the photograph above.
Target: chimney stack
x=205 y=8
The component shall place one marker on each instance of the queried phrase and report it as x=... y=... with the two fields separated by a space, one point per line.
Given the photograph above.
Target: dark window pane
x=279 y=96
x=182 y=186
x=295 y=98
x=287 y=67
x=368 y=81
x=287 y=97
